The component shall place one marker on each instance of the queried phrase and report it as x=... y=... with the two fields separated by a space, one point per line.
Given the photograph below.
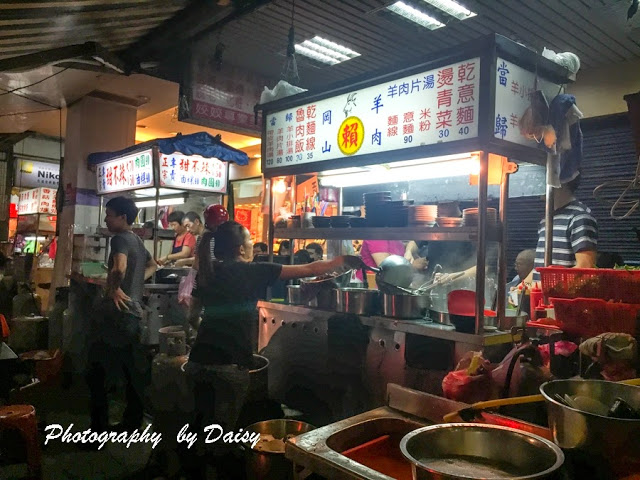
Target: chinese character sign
x=130 y=172
x=514 y=88
x=193 y=173
x=37 y=200
x=426 y=108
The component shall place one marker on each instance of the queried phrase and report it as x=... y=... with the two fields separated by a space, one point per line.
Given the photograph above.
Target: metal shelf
x=459 y=234
x=144 y=233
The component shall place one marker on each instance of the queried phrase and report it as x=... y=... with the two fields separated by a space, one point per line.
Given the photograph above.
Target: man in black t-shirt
x=115 y=346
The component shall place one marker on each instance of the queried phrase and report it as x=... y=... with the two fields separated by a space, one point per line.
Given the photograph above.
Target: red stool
x=23 y=419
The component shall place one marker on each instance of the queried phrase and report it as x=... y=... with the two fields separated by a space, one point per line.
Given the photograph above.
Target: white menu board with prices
x=514 y=88
x=37 y=200
x=436 y=106
x=193 y=172
x=130 y=172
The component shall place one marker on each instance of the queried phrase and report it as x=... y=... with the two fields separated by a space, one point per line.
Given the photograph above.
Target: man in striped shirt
x=575 y=231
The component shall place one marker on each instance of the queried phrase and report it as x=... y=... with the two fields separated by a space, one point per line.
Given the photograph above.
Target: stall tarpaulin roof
x=200 y=143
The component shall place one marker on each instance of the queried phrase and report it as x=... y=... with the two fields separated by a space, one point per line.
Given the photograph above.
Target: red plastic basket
x=604 y=283
x=588 y=317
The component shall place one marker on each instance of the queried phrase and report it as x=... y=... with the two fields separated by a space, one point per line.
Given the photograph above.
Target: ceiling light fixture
x=452 y=8
x=163 y=202
x=325 y=51
x=415 y=15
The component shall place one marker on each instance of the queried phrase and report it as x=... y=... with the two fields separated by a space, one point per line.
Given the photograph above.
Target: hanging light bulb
x=290 y=68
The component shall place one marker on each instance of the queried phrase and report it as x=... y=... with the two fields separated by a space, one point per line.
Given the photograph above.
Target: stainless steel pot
x=295 y=297
x=405 y=306
x=478 y=451
x=272 y=465
x=600 y=437
x=359 y=301
x=439 y=317
x=395 y=271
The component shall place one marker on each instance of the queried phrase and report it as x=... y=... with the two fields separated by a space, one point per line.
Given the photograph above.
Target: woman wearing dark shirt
x=229 y=288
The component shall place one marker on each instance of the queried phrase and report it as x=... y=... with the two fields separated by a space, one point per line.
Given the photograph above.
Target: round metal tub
x=478 y=451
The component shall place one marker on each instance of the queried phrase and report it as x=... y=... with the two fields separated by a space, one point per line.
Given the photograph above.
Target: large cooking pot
x=359 y=301
x=405 y=306
x=295 y=297
x=267 y=461
x=597 y=436
x=478 y=451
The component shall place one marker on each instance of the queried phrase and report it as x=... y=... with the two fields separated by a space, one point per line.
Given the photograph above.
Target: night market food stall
x=455 y=115
x=463 y=113
x=157 y=174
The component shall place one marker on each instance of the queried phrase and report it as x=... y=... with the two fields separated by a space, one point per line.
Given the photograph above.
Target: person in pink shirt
x=373 y=252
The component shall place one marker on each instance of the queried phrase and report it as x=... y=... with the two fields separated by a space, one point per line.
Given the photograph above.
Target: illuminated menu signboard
x=37 y=200
x=193 y=172
x=130 y=172
x=436 y=106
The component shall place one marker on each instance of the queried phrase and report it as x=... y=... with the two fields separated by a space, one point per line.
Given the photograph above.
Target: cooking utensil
x=358 y=301
x=477 y=451
x=295 y=297
x=439 y=317
x=598 y=436
x=313 y=286
x=405 y=306
x=468 y=414
x=394 y=270
x=270 y=463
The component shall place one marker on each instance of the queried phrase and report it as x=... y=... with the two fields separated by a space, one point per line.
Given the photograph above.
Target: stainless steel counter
x=417 y=327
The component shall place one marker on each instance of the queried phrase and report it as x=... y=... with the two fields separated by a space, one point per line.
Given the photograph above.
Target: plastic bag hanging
x=534 y=123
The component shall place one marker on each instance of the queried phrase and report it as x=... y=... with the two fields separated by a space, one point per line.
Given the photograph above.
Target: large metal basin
x=375 y=444
x=594 y=435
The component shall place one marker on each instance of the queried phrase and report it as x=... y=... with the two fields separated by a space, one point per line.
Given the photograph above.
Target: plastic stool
x=23 y=419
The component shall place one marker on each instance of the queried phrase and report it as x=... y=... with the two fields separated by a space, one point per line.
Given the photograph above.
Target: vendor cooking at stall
x=184 y=244
x=229 y=287
x=195 y=227
x=575 y=232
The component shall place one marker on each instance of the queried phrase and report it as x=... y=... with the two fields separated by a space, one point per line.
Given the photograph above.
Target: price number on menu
x=269 y=162
x=408 y=138
x=279 y=160
x=288 y=158
x=463 y=131
x=443 y=133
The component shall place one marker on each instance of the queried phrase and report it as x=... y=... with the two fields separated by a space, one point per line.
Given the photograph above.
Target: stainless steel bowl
x=268 y=465
x=478 y=451
x=359 y=301
x=405 y=306
x=609 y=438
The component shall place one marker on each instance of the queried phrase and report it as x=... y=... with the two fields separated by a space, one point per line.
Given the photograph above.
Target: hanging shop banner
x=37 y=200
x=32 y=173
x=130 y=172
x=193 y=173
x=221 y=96
x=514 y=89
x=436 y=106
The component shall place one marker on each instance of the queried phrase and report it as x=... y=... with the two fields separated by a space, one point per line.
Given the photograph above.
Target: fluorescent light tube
x=415 y=15
x=325 y=51
x=381 y=174
x=163 y=202
x=452 y=8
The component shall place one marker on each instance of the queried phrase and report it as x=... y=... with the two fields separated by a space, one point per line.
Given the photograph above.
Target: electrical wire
x=7 y=92
x=26 y=113
x=625 y=200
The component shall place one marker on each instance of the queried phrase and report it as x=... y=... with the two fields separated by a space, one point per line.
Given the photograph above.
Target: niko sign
x=31 y=173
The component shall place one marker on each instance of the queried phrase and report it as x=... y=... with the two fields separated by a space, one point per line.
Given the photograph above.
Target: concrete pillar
x=93 y=125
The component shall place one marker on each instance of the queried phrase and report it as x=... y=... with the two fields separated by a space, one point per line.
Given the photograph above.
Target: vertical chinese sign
x=37 y=200
x=221 y=98
x=514 y=88
x=193 y=173
x=426 y=108
x=129 y=172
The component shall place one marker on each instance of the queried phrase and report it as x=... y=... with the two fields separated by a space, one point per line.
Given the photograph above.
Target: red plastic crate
x=604 y=283
x=588 y=317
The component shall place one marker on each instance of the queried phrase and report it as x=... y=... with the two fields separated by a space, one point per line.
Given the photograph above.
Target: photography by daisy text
x=212 y=433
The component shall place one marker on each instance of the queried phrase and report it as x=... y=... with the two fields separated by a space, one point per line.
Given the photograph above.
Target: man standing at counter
x=193 y=224
x=575 y=231
x=115 y=346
